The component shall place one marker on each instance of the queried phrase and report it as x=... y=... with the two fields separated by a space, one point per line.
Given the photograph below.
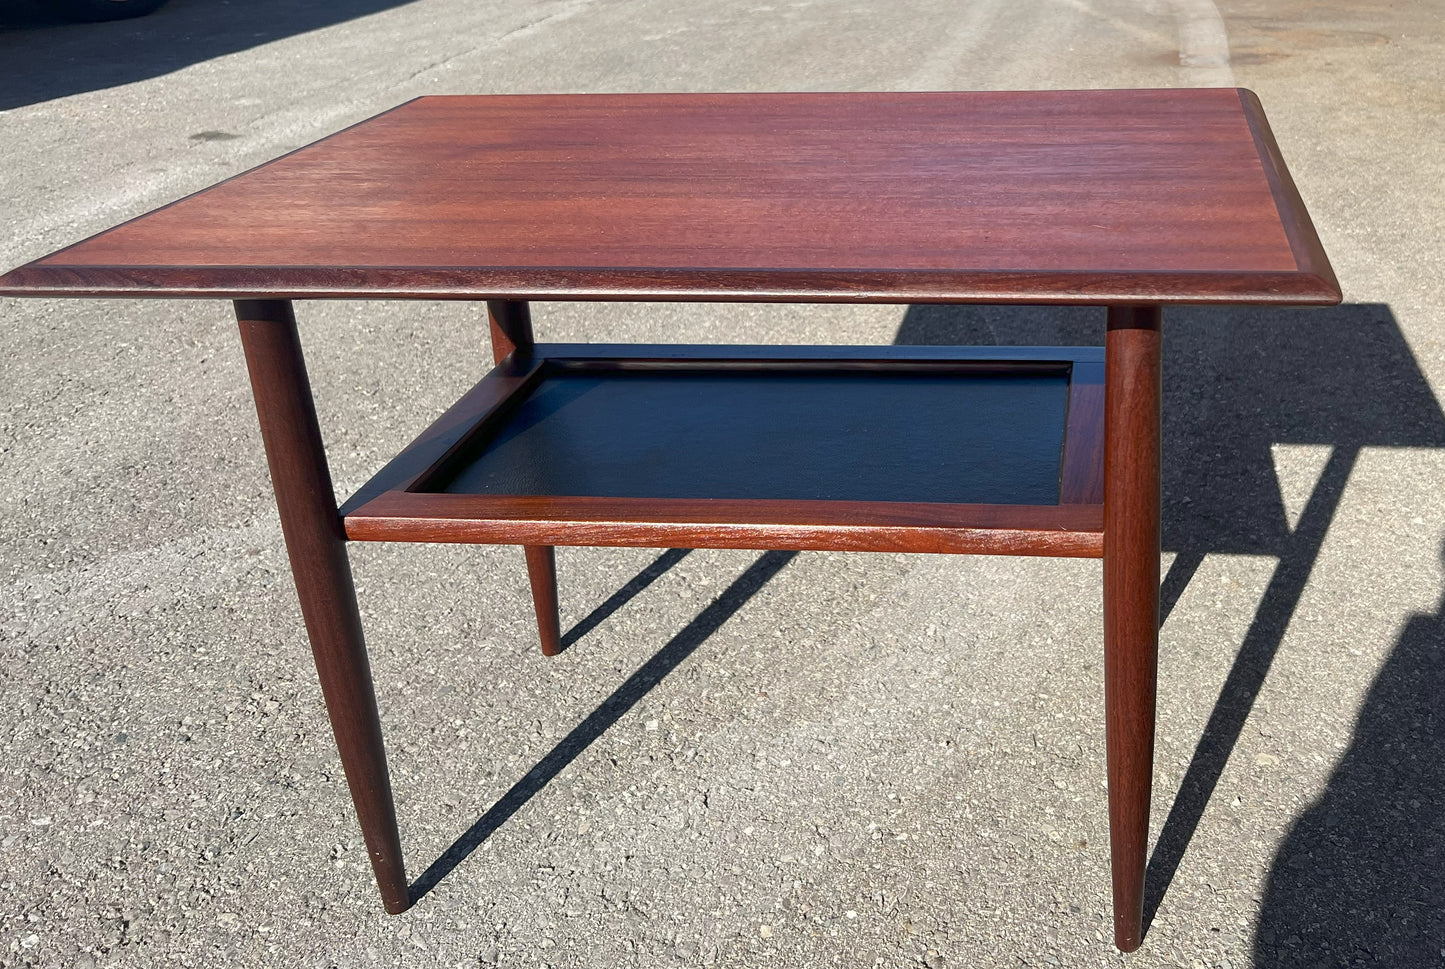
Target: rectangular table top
x=1043 y=196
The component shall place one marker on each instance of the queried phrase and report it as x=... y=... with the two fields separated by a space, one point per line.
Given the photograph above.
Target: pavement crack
x=527 y=29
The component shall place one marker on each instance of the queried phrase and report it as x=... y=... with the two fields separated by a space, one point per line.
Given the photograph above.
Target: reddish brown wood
x=1131 y=598
x=479 y=404
x=1309 y=254
x=731 y=286
x=878 y=526
x=510 y=325
x=317 y=546
x=1082 y=475
x=1063 y=196
x=509 y=322
x=651 y=355
x=542 y=574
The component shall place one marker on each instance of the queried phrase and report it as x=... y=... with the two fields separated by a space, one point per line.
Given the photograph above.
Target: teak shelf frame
x=400 y=504
x=1127 y=200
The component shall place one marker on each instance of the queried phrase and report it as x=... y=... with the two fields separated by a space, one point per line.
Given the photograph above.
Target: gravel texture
x=744 y=759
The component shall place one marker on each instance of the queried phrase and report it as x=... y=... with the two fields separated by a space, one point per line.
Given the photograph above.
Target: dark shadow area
x=624 y=595
x=44 y=57
x=1360 y=880
x=1176 y=580
x=623 y=699
x=1236 y=381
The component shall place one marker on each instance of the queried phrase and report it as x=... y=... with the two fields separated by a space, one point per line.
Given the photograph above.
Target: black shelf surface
x=774 y=432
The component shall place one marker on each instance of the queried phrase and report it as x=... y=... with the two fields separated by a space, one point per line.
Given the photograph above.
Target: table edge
x=1294 y=217
x=1076 y=287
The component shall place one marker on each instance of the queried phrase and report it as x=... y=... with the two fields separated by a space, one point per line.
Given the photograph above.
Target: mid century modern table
x=1124 y=199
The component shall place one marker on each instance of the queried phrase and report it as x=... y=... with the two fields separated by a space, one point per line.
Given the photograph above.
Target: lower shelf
x=930 y=449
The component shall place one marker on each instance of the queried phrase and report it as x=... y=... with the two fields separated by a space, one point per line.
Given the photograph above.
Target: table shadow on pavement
x=1360 y=874
x=612 y=709
x=45 y=57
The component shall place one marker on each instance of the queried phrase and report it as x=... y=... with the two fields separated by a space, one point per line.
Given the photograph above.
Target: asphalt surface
x=744 y=759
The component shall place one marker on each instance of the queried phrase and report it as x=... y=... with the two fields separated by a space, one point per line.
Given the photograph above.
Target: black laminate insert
x=783 y=433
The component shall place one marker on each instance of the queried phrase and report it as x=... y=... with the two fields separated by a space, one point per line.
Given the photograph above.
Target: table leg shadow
x=1359 y=877
x=656 y=570
x=612 y=709
x=1238 y=380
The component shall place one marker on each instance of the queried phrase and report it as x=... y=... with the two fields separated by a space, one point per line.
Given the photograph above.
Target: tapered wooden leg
x=509 y=322
x=319 y=564
x=542 y=571
x=1131 y=598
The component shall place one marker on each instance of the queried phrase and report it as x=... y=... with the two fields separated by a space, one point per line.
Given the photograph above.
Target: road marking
x=1139 y=33
x=938 y=70
x=1203 y=44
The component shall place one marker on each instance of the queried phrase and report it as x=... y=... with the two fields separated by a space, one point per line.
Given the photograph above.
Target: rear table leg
x=510 y=324
x=322 y=572
x=542 y=571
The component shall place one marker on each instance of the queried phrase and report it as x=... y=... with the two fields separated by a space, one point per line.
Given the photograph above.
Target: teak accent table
x=1125 y=199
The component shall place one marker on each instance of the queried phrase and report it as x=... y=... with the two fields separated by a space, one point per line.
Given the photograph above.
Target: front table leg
x=1131 y=598
x=319 y=564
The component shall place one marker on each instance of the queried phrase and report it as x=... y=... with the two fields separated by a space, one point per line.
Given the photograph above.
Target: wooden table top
x=1044 y=196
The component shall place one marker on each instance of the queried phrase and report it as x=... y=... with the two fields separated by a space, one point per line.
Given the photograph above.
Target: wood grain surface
x=1082 y=476
x=1066 y=196
x=509 y=323
x=857 y=526
x=1132 y=390
x=321 y=568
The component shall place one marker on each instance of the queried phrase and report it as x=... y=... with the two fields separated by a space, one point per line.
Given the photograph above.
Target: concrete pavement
x=747 y=760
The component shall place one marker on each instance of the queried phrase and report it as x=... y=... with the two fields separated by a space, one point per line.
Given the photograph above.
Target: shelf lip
x=509 y=377
x=1068 y=530
x=651 y=354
